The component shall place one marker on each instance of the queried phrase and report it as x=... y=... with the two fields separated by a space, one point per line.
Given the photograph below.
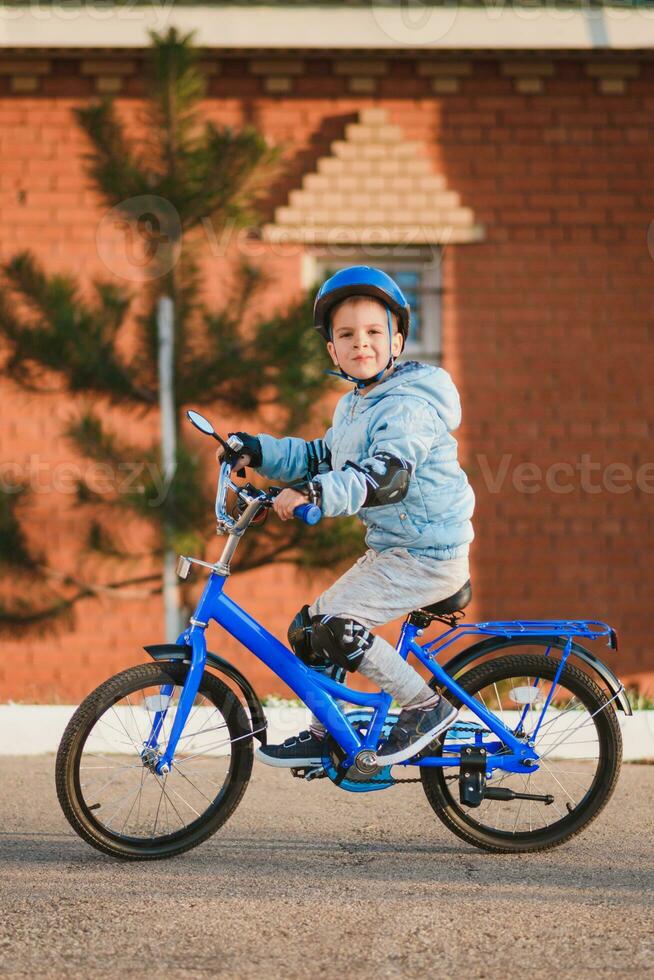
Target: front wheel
x=104 y=774
x=578 y=741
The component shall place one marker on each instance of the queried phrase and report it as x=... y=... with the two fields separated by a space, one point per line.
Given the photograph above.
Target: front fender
x=175 y=651
x=467 y=657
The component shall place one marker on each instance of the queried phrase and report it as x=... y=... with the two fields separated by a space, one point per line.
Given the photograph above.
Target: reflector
x=526 y=695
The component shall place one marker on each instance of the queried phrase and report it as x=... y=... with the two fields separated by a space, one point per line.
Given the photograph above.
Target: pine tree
x=184 y=171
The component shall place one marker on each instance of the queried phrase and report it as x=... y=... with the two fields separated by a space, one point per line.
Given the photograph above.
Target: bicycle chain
x=392 y=781
x=414 y=779
x=418 y=779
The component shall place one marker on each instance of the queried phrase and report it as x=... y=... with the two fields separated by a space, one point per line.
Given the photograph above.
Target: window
x=418 y=276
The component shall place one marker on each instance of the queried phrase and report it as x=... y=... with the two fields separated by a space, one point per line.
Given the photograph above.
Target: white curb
x=36 y=729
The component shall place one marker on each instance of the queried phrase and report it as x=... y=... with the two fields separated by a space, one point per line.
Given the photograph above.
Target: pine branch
x=265 y=545
x=228 y=174
x=217 y=364
x=14 y=549
x=116 y=170
x=292 y=361
x=186 y=171
x=58 y=615
x=175 y=89
x=325 y=545
x=103 y=542
x=87 y=433
x=30 y=621
x=64 y=334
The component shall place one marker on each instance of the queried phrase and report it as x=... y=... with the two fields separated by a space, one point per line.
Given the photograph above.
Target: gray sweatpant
x=380 y=587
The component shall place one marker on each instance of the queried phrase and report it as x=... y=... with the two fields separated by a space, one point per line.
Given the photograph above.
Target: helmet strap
x=364 y=382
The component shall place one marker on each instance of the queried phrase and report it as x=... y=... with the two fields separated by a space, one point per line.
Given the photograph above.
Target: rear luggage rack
x=549 y=627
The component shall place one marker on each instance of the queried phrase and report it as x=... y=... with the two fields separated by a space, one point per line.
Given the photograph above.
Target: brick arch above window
x=374 y=187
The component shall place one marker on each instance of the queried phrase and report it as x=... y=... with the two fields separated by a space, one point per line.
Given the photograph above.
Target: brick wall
x=547 y=321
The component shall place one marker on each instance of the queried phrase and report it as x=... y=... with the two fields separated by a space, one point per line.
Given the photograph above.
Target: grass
x=639 y=701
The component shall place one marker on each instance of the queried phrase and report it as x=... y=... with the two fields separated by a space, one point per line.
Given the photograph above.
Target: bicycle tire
x=460 y=820
x=80 y=726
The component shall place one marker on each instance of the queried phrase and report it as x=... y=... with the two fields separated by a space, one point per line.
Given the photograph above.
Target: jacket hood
x=433 y=384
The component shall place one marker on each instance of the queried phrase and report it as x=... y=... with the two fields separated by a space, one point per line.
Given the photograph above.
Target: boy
x=388 y=457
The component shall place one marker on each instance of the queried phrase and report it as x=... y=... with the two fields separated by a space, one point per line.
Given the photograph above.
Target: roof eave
x=317 y=28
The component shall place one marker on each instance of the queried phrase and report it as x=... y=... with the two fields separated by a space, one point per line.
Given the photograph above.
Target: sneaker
x=414 y=729
x=298 y=750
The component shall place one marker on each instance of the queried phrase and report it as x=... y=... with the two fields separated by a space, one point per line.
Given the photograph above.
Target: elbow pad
x=387 y=479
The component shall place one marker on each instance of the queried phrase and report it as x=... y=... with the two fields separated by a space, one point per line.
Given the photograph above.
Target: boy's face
x=360 y=338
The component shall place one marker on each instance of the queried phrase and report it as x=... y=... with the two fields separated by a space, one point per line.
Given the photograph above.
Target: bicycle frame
x=321 y=693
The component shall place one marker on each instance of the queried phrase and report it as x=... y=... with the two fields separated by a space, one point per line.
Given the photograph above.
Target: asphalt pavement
x=306 y=880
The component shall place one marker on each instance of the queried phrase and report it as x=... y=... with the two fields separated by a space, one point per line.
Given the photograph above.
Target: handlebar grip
x=309 y=513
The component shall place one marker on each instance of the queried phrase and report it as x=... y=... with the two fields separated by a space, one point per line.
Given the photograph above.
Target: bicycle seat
x=454 y=603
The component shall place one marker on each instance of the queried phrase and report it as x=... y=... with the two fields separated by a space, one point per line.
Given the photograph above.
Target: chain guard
x=355 y=781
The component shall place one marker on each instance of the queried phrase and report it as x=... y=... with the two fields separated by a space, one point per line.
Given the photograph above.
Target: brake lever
x=231 y=452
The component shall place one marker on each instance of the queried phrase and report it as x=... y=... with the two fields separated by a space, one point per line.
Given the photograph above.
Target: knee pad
x=299 y=638
x=342 y=641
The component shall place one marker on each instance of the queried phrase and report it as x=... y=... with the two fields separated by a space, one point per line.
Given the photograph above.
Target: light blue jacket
x=410 y=414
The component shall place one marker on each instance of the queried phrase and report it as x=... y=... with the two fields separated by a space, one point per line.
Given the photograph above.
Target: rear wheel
x=115 y=801
x=577 y=739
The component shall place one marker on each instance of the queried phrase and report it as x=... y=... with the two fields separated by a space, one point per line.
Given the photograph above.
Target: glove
x=249 y=455
x=251 y=446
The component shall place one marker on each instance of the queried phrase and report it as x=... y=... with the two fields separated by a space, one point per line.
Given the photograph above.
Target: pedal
x=309 y=772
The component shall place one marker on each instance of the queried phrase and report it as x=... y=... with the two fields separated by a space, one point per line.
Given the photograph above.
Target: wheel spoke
x=559 y=783
x=517 y=816
x=106 y=783
x=558 y=716
x=499 y=703
x=137 y=797
x=185 y=802
x=184 y=776
x=582 y=725
x=133 y=743
x=573 y=742
x=121 y=801
x=116 y=784
x=156 y=816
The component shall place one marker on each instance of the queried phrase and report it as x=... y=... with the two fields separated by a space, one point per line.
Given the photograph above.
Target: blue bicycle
x=157 y=758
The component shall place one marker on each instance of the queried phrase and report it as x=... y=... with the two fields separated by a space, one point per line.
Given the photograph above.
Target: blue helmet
x=359 y=280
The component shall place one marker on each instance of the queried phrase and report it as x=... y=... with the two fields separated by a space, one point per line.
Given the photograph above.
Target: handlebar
x=255 y=501
x=309 y=513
